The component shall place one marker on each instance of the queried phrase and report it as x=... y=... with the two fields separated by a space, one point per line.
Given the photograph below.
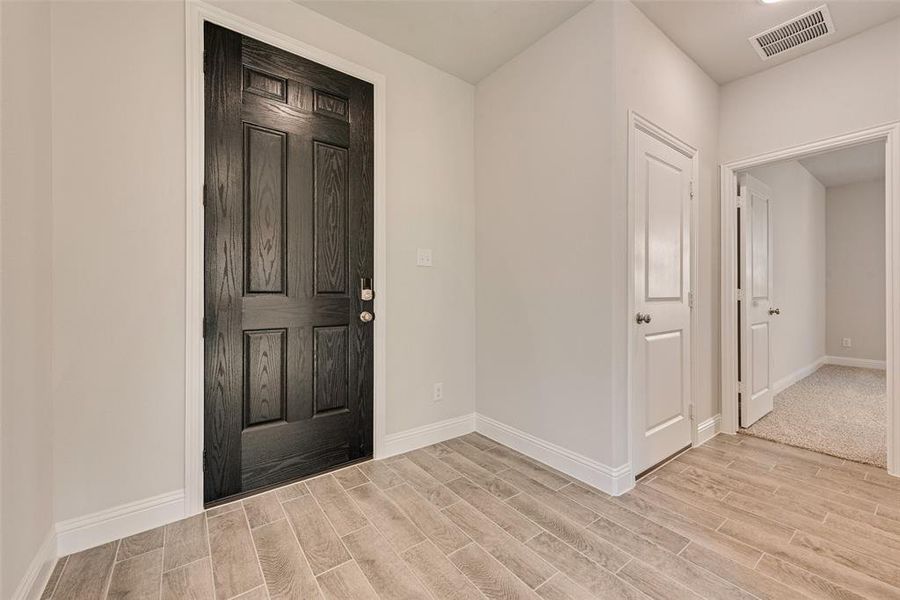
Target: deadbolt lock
x=366 y=293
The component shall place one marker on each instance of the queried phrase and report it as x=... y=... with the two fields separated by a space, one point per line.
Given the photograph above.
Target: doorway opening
x=809 y=329
x=811 y=266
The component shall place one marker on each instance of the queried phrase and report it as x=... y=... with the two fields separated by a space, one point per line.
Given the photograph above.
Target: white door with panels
x=756 y=297
x=661 y=176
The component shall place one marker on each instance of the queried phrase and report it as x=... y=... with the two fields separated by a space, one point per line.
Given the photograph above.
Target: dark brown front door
x=288 y=248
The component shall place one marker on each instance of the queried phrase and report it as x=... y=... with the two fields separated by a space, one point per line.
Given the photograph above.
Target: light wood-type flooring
x=738 y=518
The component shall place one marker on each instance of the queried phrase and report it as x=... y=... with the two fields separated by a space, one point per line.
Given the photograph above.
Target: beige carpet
x=840 y=411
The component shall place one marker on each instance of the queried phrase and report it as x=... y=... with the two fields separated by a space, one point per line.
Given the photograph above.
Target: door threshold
x=281 y=484
x=661 y=463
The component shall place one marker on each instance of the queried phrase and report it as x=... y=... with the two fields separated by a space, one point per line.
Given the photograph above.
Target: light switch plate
x=423 y=257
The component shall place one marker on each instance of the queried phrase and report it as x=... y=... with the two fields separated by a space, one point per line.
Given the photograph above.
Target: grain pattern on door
x=757 y=223
x=661 y=377
x=288 y=202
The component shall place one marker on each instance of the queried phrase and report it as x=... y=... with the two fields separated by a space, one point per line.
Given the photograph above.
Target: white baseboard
x=864 y=363
x=121 y=521
x=612 y=480
x=792 y=378
x=708 y=429
x=411 y=439
x=32 y=584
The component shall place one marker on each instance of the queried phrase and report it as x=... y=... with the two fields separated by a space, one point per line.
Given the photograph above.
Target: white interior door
x=757 y=306
x=661 y=176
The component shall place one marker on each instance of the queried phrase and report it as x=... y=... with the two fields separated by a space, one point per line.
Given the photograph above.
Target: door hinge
x=740 y=387
x=740 y=295
x=691 y=299
x=203 y=333
x=691 y=411
x=204 y=194
x=204 y=461
x=692 y=189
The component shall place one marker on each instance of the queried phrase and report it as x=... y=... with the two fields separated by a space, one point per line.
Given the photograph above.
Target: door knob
x=365 y=316
x=774 y=311
x=642 y=318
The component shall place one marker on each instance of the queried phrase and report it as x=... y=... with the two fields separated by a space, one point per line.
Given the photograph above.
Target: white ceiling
x=468 y=38
x=714 y=33
x=850 y=165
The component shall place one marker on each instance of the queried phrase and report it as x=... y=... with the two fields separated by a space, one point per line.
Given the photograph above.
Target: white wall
x=26 y=428
x=855 y=270
x=846 y=87
x=551 y=223
x=798 y=201
x=118 y=240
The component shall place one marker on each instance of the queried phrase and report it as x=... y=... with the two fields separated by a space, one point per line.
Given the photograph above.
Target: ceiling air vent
x=796 y=32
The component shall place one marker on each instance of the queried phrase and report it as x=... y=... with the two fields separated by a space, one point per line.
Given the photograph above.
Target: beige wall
x=26 y=427
x=855 y=270
x=544 y=218
x=118 y=240
x=551 y=224
x=798 y=333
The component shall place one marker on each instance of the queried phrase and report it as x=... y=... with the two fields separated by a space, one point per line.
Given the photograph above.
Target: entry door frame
x=889 y=133
x=638 y=122
x=196 y=13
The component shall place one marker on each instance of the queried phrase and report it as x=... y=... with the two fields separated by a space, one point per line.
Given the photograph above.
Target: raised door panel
x=330 y=171
x=759 y=357
x=265 y=372
x=665 y=230
x=759 y=247
x=664 y=363
x=265 y=166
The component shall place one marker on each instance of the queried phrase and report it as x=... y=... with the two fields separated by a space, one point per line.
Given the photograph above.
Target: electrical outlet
x=423 y=257
x=846 y=343
x=438 y=392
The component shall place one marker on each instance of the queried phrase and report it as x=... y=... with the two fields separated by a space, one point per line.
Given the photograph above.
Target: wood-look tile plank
x=482 y=459
x=489 y=576
x=515 y=556
x=234 y=563
x=433 y=466
x=809 y=560
x=286 y=572
x=424 y=515
x=321 y=545
x=672 y=504
x=561 y=503
x=336 y=504
x=224 y=508
x=490 y=482
x=654 y=584
x=87 y=573
x=786 y=452
x=346 y=582
x=560 y=587
x=291 y=491
x=479 y=441
x=54 y=578
x=862 y=563
x=380 y=474
x=800 y=579
x=540 y=473
x=686 y=573
x=440 y=576
x=595 y=548
x=743 y=577
x=140 y=543
x=509 y=519
x=137 y=578
x=580 y=569
x=632 y=520
x=186 y=541
x=193 y=581
x=430 y=488
x=673 y=488
x=388 y=574
x=254 y=594
x=263 y=509
x=867 y=490
x=350 y=477
x=386 y=516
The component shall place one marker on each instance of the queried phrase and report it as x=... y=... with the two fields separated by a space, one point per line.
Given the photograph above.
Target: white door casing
x=662 y=180
x=757 y=277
